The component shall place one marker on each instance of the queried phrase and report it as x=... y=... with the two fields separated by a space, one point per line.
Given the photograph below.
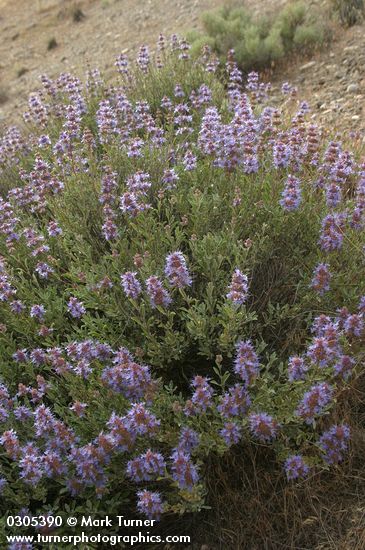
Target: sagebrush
x=260 y=41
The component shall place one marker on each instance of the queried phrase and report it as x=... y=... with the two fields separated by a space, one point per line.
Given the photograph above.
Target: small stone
x=307 y=65
x=352 y=88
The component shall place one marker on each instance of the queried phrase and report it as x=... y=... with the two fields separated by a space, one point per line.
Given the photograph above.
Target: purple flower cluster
x=263 y=426
x=235 y=402
x=231 y=433
x=321 y=278
x=75 y=308
x=246 y=364
x=183 y=470
x=314 y=401
x=291 y=196
x=334 y=442
x=296 y=368
x=295 y=467
x=146 y=467
x=333 y=227
x=128 y=377
x=238 y=289
x=176 y=270
x=158 y=295
x=201 y=399
x=150 y=504
x=131 y=285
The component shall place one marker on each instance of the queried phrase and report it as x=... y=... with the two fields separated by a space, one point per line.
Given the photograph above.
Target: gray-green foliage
x=259 y=41
x=350 y=12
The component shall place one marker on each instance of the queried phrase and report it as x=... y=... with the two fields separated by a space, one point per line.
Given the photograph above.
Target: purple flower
x=354 y=325
x=334 y=443
x=188 y=440
x=202 y=397
x=158 y=295
x=53 y=464
x=295 y=467
x=131 y=285
x=238 y=289
x=141 y=420
x=344 y=365
x=321 y=278
x=150 y=504
x=106 y=121
x=235 y=402
x=291 y=196
x=44 y=270
x=314 y=401
x=319 y=352
x=131 y=205
x=30 y=464
x=246 y=364
x=139 y=183
x=183 y=470
x=78 y=408
x=75 y=308
x=333 y=194
x=169 y=178
x=331 y=237
x=143 y=59
x=282 y=154
x=4 y=414
x=146 y=467
x=122 y=432
x=189 y=161
x=263 y=426
x=296 y=368
x=176 y=270
x=231 y=433
x=135 y=148
x=17 y=307
x=38 y=312
x=20 y=546
x=128 y=377
x=22 y=413
x=43 y=421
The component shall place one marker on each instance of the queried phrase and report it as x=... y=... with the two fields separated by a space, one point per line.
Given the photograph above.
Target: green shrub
x=259 y=41
x=253 y=225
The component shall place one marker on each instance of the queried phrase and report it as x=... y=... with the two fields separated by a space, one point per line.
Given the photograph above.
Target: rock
x=308 y=65
x=352 y=88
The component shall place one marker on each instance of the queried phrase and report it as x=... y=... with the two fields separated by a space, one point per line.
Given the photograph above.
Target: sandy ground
x=106 y=28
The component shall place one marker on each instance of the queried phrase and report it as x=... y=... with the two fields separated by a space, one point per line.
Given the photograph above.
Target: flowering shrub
x=177 y=276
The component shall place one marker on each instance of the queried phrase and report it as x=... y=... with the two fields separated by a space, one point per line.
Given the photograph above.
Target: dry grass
x=252 y=507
